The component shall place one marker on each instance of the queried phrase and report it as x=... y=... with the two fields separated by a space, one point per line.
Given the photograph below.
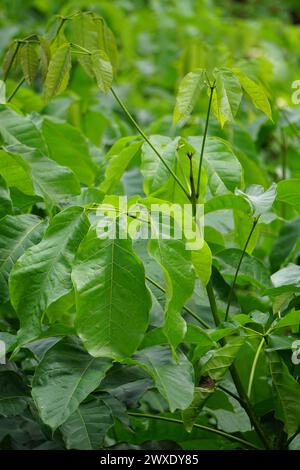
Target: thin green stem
x=185 y=308
x=11 y=61
x=199 y=426
x=141 y=132
x=238 y=268
x=204 y=139
x=15 y=90
x=254 y=365
x=213 y=303
x=193 y=197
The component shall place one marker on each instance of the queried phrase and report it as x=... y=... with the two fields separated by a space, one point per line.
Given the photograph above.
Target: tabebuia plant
x=116 y=333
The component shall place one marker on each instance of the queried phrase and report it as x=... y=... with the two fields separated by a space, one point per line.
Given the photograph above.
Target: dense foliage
x=132 y=343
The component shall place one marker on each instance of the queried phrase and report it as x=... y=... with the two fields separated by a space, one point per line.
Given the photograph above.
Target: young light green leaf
x=260 y=200
x=66 y=375
x=255 y=91
x=16 y=172
x=227 y=95
x=188 y=92
x=227 y=201
x=290 y=275
x=29 y=61
x=102 y=70
x=202 y=262
x=43 y=274
x=107 y=276
x=58 y=74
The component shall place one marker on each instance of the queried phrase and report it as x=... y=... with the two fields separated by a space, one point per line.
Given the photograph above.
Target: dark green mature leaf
x=43 y=274
x=223 y=169
x=251 y=271
x=17 y=129
x=66 y=375
x=5 y=201
x=287 y=394
x=284 y=246
x=13 y=394
x=86 y=428
x=29 y=61
x=174 y=379
x=58 y=74
x=17 y=233
x=188 y=93
x=68 y=147
x=112 y=301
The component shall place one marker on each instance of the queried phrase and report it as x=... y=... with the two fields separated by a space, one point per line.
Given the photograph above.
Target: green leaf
x=227 y=201
x=252 y=270
x=29 y=61
x=86 y=428
x=202 y=262
x=175 y=261
x=13 y=394
x=174 y=379
x=102 y=69
x=17 y=233
x=58 y=73
x=223 y=169
x=42 y=275
x=290 y=275
x=108 y=276
x=289 y=191
x=5 y=201
x=255 y=91
x=212 y=373
x=10 y=58
x=17 y=129
x=290 y=319
x=260 y=200
x=287 y=394
x=55 y=183
x=188 y=93
x=286 y=244
x=117 y=166
x=227 y=95
x=68 y=147
x=16 y=172
x=66 y=375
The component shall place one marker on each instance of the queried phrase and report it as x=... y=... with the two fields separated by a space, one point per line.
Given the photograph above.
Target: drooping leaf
x=255 y=92
x=287 y=394
x=86 y=428
x=202 y=262
x=102 y=70
x=5 y=201
x=43 y=274
x=108 y=276
x=16 y=172
x=58 y=73
x=173 y=378
x=29 y=61
x=227 y=95
x=66 y=375
x=260 y=200
x=188 y=93
x=17 y=233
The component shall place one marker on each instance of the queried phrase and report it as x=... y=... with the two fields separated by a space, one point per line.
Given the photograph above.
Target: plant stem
x=238 y=268
x=141 y=132
x=204 y=139
x=199 y=426
x=11 y=61
x=185 y=308
x=213 y=303
x=253 y=368
x=245 y=403
x=15 y=90
x=193 y=197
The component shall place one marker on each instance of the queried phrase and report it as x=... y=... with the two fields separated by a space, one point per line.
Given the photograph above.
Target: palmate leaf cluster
x=98 y=330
